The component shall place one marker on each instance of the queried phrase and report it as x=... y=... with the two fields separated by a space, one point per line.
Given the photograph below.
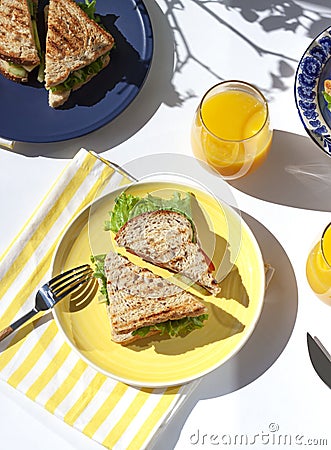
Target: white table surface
x=270 y=384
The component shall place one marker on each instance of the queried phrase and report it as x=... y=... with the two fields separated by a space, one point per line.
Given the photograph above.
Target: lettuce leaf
x=174 y=328
x=89 y=8
x=80 y=76
x=128 y=206
x=99 y=272
x=33 y=9
x=120 y=214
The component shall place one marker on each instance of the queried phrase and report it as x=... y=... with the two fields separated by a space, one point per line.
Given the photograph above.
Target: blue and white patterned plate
x=314 y=68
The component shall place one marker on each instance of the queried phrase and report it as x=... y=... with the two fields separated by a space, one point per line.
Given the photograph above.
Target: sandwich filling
x=327 y=93
x=81 y=76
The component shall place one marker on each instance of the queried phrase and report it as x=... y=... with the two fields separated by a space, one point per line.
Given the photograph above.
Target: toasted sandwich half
x=77 y=49
x=18 y=39
x=167 y=239
x=141 y=303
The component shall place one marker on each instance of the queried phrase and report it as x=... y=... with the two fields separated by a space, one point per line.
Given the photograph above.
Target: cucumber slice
x=18 y=71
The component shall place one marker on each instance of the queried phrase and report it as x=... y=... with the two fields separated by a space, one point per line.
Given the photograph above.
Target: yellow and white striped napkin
x=38 y=362
x=6 y=143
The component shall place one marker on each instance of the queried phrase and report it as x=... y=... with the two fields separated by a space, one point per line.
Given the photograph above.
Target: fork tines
x=67 y=282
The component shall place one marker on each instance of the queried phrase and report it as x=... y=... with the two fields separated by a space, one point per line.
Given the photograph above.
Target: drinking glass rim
x=265 y=103
x=322 y=247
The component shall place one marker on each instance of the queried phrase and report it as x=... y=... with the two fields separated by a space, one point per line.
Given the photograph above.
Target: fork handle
x=6 y=332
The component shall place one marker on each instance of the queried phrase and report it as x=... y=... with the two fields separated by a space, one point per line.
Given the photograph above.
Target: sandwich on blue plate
x=77 y=48
x=19 y=41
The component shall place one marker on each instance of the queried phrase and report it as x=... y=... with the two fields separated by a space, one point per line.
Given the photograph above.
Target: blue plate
x=313 y=69
x=25 y=114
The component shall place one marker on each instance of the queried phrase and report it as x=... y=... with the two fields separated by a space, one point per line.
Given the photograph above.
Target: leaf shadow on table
x=296 y=173
x=281 y=14
x=264 y=346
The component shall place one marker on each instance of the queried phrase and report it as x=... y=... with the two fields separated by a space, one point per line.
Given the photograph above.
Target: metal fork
x=52 y=292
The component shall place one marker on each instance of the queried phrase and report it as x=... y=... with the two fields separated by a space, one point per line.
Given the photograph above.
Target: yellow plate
x=160 y=361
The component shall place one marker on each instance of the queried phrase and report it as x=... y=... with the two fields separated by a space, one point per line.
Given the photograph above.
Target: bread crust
x=128 y=338
x=17 y=43
x=73 y=41
x=20 y=61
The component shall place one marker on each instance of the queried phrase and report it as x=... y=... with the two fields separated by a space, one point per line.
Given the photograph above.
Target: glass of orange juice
x=318 y=267
x=231 y=129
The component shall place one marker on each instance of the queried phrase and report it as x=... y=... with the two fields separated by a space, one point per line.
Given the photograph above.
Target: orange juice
x=318 y=267
x=231 y=131
x=233 y=115
x=326 y=244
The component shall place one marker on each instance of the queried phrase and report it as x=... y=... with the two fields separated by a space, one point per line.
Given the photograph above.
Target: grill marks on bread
x=16 y=36
x=156 y=236
x=139 y=298
x=165 y=238
x=73 y=41
x=122 y=275
x=66 y=27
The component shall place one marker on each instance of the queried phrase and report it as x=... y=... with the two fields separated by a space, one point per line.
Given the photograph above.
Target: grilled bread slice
x=138 y=298
x=73 y=42
x=18 y=51
x=166 y=238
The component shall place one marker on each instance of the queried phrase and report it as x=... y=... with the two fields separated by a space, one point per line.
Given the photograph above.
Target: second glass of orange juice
x=231 y=129
x=318 y=267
